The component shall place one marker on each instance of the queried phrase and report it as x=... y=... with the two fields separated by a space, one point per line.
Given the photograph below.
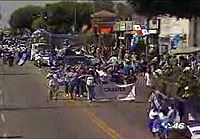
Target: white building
x=170 y=26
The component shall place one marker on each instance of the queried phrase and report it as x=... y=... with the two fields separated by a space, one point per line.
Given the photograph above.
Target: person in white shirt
x=148 y=78
x=153 y=114
x=91 y=85
x=160 y=122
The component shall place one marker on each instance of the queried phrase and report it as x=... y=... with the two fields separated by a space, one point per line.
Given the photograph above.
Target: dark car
x=74 y=60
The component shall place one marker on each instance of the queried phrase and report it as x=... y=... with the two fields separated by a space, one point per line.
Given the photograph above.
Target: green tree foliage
x=84 y=11
x=60 y=13
x=176 y=8
x=187 y=83
x=63 y=15
x=103 y=5
x=40 y=22
x=23 y=17
x=124 y=11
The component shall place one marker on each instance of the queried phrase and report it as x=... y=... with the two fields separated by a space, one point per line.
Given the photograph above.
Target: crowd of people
x=161 y=116
x=124 y=68
x=13 y=50
x=79 y=80
x=116 y=65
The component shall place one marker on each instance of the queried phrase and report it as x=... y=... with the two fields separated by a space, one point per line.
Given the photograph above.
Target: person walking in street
x=153 y=114
x=148 y=78
x=91 y=85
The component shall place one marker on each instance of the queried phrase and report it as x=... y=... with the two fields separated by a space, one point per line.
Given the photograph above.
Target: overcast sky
x=7 y=7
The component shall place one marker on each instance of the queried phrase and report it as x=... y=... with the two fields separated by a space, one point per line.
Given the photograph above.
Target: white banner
x=115 y=92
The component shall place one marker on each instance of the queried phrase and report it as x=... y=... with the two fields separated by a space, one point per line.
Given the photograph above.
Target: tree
x=124 y=11
x=23 y=17
x=63 y=15
x=40 y=22
x=103 y=5
x=151 y=8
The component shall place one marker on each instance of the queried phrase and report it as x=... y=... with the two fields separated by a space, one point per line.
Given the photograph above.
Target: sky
x=7 y=7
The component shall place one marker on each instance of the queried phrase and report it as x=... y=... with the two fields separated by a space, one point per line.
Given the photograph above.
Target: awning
x=105 y=30
x=137 y=32
x=187 y=50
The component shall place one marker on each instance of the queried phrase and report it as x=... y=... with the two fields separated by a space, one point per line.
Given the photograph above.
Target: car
x=194 y=129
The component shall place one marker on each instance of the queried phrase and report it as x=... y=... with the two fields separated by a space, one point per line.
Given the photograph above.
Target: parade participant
x=160 y=124
x=52 y=83
x=104 y=76
x=82 y=80
x=171 y=112
x=115 y=77
x=11 y=59
x=4 y=58
x=67 y=79
x=91 y=85
x=74 y=84
x=155 y=100
x=153 y=114
x=127 y=68
x=148 y=78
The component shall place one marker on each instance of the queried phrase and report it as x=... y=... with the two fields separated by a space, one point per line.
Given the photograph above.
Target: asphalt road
x=26 y=113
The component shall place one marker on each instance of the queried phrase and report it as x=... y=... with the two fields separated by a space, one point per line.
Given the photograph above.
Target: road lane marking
x=1 y=92
x=102 y=125
x=1 y=101
x=4 y=135
x=109 y=131
x=3 y=118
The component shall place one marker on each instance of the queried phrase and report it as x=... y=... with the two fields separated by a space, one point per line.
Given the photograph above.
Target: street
x=26 y=113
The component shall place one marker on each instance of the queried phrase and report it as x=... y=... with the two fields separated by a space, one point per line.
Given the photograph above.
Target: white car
x=194 y=129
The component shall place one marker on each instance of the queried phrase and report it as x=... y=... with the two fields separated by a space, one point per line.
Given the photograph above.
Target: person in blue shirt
x=127 y=68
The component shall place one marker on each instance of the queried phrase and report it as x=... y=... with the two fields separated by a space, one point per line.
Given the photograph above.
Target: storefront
x=102 y=24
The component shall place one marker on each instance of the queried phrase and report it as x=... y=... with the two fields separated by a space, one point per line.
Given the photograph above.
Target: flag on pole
x=22 y=60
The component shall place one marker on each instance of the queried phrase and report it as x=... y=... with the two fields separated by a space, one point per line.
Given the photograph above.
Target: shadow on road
x=11 y=137
x=28 y=108
x=14 y=73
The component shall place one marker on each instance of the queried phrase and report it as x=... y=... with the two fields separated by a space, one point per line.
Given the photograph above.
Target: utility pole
x=147 y=39
x=74 y=20
x=158 y=47
x=195 y=32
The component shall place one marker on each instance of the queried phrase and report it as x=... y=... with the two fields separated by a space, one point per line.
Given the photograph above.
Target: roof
x=185 y=50
x=104 y=13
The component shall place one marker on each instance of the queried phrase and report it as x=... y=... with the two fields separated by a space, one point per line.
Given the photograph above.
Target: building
x=173 y=28
x=102 y=23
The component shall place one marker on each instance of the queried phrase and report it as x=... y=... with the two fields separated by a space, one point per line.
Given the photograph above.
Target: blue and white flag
x=22 y=61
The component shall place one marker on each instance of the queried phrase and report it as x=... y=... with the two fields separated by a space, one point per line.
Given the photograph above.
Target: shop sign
x=116 y=26
x=105 y=30
x=129 y=25
x=123 y=26
x=136 y=27
x=145 y=32
x=153 y=31
x=121 y=38
x=153 y=24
